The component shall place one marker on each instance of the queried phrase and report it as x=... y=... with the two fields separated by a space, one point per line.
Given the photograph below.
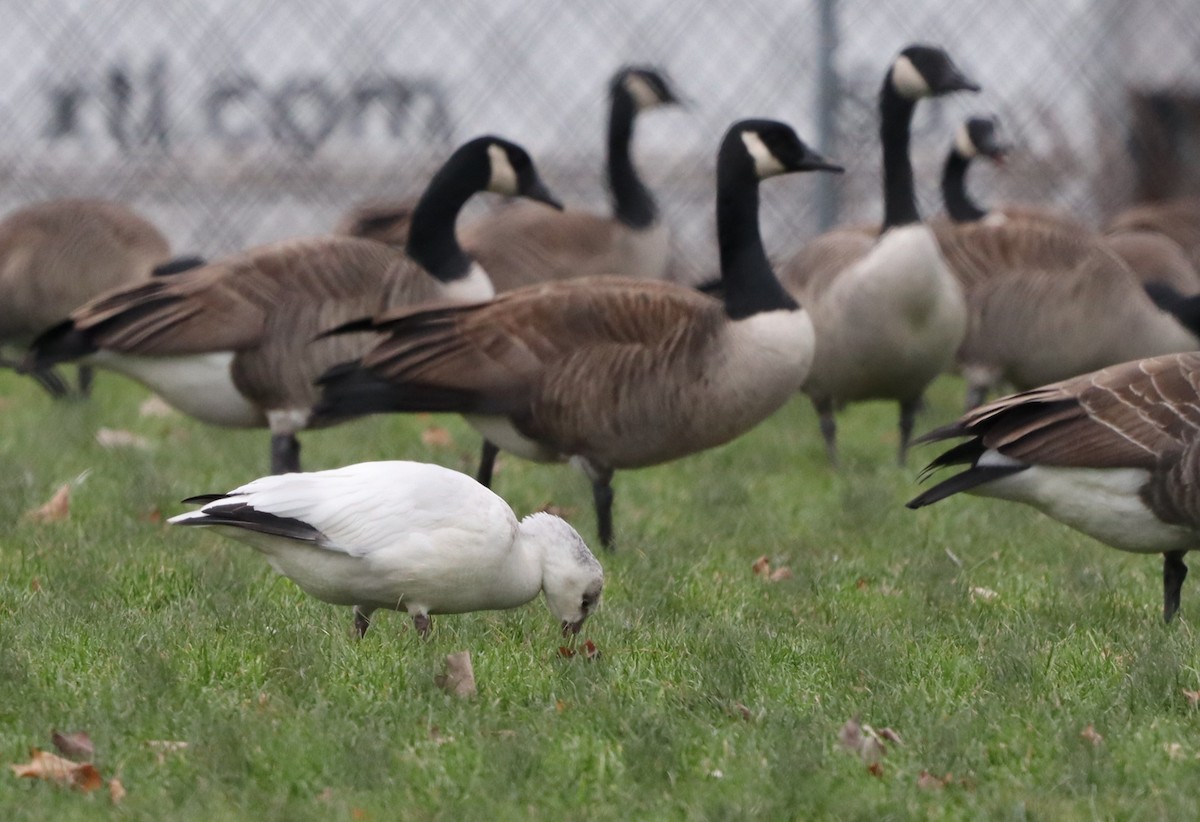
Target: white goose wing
x=364 y=508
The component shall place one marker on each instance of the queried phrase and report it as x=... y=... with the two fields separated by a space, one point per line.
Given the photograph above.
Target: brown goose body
x=1045 y=304
x=1178 y=219
x=1114 y=454
x=619 y=372
x=56 y=255
x=258 y=310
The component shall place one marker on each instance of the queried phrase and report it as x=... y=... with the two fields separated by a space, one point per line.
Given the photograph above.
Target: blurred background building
x=236 y=122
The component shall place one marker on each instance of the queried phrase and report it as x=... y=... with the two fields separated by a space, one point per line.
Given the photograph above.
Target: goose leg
x=285 y=454
x=908 y=416
x=487 y=462
x=423 y=624
x=45 y=377
x=86 y=375
x=1174 y=573
x=602 y=497
x=362 y=620
x=824 y=407
x=976 y=396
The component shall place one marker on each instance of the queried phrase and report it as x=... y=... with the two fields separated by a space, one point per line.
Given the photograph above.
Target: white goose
x=407 y=536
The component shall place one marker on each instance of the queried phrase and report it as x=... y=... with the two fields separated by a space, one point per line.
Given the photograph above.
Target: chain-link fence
x=236 y=122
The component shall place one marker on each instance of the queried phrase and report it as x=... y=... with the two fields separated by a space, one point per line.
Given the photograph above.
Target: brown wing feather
x=1136 y=414
x=236 y=303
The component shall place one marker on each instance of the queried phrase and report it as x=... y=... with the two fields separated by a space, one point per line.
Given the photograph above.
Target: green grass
x=112 y=623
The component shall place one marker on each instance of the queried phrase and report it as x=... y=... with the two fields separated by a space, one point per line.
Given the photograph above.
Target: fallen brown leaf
x=761 y=566
x=890 y=736
x=742 y=711
x=152 y=515
x=566 y=651
x=116 y=438
x=74 y=746
x=459 y=678
x=35 y=585
x=780 y=574
x=435 y=436
x=875 y=769
x=54 y=768
x=56 y=509
x=1193 y=697
x=590 y=653
x=861 y=583
x=116 y=791
x=1089 y=733
x=983 y=595
x=155 y=406
x=865 y=741
x=929 y=782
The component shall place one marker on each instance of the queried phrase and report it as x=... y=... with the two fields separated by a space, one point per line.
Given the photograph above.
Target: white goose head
x=927 y=71
x=572 y=578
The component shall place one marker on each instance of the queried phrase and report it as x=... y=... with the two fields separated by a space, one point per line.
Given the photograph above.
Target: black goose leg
x=362 y=620
x=423 y=624
x=824 y=408
x=1174 y=573
x=285 y=454
x=86 y=375
x=487 y=462
x=908 y=416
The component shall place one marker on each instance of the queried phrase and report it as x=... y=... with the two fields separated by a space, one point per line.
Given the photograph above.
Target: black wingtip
x=964 y=481
x=349 y=390
x=178 y=265
x=61 y=343
x=351 y=327
x=203 y=499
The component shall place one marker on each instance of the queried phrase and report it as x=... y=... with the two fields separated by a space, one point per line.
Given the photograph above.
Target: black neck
x=899 y=194
x=633 y=204
x=750 y=284
x=431 y=239
x=959 y=205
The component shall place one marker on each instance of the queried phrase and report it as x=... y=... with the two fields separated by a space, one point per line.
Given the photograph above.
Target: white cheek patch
x=766 y=164
x=963 y=144
x=907 y=80
x=504 y=176
x=643 y=94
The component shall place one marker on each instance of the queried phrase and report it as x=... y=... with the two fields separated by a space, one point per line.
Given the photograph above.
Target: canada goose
x=1047 y=303
x=1178 y=219
x=1153 y=257
x=977 y=137
x=888 y=314
x=521 y=243
x=410 y=537
x=57 y=255
x=1113 y=454
x=610 y=372
x=230 y=343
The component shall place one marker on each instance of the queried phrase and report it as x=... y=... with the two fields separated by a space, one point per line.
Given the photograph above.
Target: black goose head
x=510 y=170
x=774 y=148
x=978 y=137
x=646 y=87
x=927 y=71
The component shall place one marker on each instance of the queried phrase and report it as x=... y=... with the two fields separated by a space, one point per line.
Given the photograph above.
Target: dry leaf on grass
x=1089 y=733
x=73 y=746
x=435 y=436
x=866 y=741
x=589 y=651
x=929 y=782
x=156 y=406
x=56 y=509
x=1173 y=749
x=1193 y=697
x=162 y=747
x=54 y=768
x=116 y=791
x=780 y=574
x=459 y=679
x=117 y=438
x=761 y=566
x=983 y=595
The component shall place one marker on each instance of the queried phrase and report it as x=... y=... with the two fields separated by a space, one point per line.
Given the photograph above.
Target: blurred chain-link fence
x=236 y=122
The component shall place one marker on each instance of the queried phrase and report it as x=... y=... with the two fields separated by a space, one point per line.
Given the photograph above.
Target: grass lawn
x=717 y=695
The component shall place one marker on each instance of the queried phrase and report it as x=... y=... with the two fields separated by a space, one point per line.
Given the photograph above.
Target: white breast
x=1101 y=502
x=199 y=385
